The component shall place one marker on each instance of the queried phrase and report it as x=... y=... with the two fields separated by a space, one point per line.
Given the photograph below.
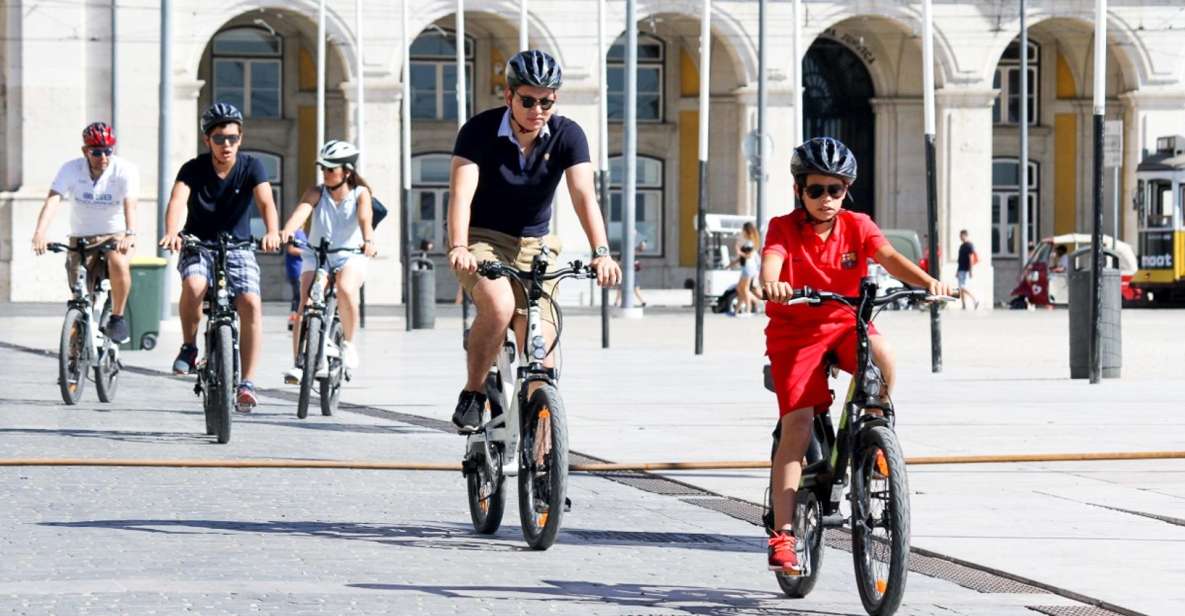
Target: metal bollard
x=423 y=280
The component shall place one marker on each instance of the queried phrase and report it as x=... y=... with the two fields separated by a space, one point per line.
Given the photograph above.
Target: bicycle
x=529 y=425
x=83 y=340
x=863 y=455
x=321 y=326
x=218 y=372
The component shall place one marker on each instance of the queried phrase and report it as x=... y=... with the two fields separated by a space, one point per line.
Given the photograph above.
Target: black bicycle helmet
x=534 y=68
x=219 y=114
x=825 y=156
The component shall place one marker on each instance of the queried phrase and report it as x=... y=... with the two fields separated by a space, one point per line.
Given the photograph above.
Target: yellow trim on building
x=306 y=156
x=1065 y=79
x=307 y=70
x=689 y=84
x=1065 y=173
x=688 y=186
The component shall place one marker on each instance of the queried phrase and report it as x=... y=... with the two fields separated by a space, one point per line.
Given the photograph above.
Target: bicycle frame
x=322 y=299
x=216 y=304
x=91 y=306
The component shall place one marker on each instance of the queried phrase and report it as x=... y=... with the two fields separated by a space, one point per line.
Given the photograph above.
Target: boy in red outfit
x=825 y=247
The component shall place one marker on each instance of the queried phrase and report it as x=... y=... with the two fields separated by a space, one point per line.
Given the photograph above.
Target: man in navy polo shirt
x=214 y=194
x=506 y=166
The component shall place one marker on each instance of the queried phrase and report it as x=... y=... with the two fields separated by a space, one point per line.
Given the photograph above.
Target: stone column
x=965 y=181
x=900 y=197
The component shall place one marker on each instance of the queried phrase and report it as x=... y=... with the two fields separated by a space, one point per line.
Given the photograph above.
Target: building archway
x=837 y=102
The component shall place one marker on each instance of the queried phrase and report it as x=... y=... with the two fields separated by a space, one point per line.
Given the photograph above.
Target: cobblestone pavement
x=79 y=540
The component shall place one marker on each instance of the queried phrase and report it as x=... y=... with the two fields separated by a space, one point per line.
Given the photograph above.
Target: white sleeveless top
x=337 y=222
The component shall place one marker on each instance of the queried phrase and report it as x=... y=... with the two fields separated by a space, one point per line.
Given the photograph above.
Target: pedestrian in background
x=967 y=260
x=292 y=262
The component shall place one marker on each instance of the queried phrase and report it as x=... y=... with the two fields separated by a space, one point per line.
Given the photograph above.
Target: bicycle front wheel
x=543 y=467
x=73 y=363
x=331 y=386
x=880 y=520
x=223 y=381
x=309 y=352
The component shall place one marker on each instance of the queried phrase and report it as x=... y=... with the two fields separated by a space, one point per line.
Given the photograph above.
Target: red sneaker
x=782 y=557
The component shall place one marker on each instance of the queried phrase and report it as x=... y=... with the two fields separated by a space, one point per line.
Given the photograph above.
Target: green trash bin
x=144 y=302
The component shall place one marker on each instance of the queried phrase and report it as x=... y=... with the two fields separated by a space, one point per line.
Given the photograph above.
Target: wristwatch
x=129 y=233
x=600 y=251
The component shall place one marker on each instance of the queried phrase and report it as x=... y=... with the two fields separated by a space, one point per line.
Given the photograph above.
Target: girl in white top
x=341 y=211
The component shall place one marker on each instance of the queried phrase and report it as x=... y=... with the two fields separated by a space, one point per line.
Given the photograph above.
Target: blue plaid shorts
x=242 y=271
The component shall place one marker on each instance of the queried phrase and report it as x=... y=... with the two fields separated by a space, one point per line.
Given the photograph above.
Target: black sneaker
x=186 y=362
x=467 y=417
x=117 y=329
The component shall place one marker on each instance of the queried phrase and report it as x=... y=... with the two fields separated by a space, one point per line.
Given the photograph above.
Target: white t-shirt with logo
x=97 y=204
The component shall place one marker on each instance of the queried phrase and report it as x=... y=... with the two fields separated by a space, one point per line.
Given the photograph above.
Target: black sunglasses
x=837 y=191
x=530 y=101
x=225 y=139
x=98 y=152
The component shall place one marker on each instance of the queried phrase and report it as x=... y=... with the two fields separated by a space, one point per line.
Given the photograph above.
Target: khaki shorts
x=74 y=259
x=488 y=245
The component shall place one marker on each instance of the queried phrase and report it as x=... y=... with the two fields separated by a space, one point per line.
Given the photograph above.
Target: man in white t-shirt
x=103 y=190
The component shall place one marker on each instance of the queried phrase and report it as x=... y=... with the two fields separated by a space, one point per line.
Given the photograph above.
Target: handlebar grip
x=56 y=247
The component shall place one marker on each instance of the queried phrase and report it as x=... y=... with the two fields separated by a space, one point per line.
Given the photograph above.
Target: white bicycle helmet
x=337 y=153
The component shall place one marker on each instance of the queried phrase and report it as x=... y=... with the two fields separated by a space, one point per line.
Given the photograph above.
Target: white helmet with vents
x=337 y=153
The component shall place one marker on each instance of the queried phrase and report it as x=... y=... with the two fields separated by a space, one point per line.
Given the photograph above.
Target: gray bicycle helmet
x=219 y=114
x=534 y=68
x=337 y=153
x=825 y=156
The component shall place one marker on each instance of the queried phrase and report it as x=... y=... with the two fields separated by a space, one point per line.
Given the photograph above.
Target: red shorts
x=800 y=380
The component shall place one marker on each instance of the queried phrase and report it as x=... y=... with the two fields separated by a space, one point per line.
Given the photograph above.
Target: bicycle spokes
x=542 y=445
x=875 y=518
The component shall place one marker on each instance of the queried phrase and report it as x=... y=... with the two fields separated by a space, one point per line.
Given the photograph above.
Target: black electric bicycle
x=863 y=455
x=218 y=372
x=84 y=342
x=319 y=350
x=523 y=433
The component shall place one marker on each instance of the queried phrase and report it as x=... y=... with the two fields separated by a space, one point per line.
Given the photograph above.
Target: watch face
x=601 y=251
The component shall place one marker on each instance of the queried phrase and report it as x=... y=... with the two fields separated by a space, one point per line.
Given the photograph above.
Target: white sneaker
x=349 y=355
x=292 y=376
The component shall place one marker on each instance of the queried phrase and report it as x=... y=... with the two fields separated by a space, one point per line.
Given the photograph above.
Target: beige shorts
x=488 y=245
x=74 y=259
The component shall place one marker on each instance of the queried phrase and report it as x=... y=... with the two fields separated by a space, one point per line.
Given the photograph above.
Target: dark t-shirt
x=965 y=250
x=511 y=198
x=221 y=204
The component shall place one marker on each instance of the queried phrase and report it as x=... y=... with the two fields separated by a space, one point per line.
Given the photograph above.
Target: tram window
x=1159 y=213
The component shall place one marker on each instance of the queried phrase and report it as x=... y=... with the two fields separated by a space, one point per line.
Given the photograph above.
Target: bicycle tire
x=880 y=503
x=309 y=351
x=543 y=468
x=73 y=364
x=224 y=379
x=808 y=528
x=331 y=387
x=107 y=375
x=486 y=510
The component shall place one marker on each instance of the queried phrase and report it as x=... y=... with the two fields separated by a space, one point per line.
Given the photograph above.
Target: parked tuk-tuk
x=1043 y=282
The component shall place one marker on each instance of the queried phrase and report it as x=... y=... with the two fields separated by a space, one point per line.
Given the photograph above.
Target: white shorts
x=308 y=263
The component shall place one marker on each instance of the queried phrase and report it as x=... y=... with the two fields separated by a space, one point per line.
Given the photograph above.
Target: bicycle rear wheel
x=543 y=468
x=107 y=374
x=223 y=382
x=880 y=520
x=808 y=528
x=331 y=387
x=487 y=491
x=309 y=351
x=73 y=363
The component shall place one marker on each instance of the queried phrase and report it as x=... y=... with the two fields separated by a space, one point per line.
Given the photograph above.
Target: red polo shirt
x=836 y=264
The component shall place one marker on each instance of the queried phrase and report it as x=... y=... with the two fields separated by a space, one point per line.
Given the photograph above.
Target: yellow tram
x=1160 y=196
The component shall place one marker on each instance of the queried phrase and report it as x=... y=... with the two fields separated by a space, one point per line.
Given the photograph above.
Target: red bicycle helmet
x=98 y=134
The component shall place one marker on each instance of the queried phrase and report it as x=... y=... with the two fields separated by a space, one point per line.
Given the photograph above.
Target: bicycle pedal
x=567 y=504
x=834 y=520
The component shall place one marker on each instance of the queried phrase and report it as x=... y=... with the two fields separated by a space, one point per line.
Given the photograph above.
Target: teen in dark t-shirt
x=220 y=204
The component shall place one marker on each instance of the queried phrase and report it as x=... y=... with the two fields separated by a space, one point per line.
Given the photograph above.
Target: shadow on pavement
x=688 y=599
x=446 y=536
x=113 y=435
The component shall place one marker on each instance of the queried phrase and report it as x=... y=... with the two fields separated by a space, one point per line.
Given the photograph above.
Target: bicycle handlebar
x=303 y=245
x=60 y=247
x=192 y=241
x=807 y=295
x=496 y=269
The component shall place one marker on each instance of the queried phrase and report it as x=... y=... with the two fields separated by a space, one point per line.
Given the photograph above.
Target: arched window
x=650 y=79
x=434 y=75
x=274 y=165
x=1006 y=205
x=648 y=205
x=248 y=70
x=429 y=200
x=1007 y=80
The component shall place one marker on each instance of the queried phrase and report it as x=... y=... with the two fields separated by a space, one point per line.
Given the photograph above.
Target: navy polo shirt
x=221 y=204
x=514 y=195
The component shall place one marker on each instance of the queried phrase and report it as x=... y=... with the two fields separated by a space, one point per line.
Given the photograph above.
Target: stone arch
x=727 y=29
x=504 y=14
x=895 y=34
